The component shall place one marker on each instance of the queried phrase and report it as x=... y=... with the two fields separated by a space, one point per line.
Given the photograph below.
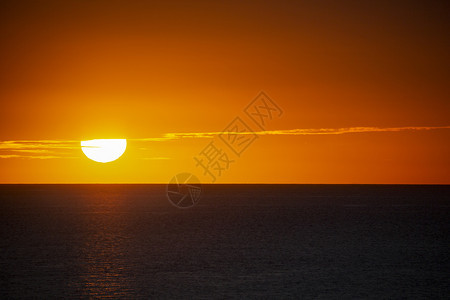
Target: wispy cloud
x=346 y=130
x=32 y=150
x=303 y=131
x=48 y=149
x=38 y=144
x=165 y=137
x=31 y=156
x=37 y=149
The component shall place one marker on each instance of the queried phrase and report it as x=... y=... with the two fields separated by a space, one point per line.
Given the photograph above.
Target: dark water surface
x=240 y=241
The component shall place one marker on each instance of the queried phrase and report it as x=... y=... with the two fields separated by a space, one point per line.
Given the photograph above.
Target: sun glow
x=104 y=150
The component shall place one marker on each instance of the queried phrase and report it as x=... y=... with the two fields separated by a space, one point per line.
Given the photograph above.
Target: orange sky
x=76 y=70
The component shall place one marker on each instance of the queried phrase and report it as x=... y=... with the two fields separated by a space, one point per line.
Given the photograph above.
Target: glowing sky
x=364 y=89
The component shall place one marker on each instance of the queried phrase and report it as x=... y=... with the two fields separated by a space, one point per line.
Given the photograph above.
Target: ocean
x=239 y=241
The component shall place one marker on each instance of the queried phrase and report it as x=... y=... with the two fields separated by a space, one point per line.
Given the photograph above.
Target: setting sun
x=104 y=150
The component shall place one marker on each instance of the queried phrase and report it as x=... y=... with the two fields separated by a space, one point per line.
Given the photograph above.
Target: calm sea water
x=240 y=241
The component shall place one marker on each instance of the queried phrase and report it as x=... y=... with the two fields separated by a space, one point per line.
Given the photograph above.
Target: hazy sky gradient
x=77 y=70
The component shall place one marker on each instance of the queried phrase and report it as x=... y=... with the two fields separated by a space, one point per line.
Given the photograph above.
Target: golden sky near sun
x=143 y=70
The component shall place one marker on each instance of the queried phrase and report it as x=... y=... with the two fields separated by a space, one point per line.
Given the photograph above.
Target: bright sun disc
x=104 y=150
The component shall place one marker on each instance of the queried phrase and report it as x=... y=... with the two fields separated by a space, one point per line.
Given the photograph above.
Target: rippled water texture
x=284 y=241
